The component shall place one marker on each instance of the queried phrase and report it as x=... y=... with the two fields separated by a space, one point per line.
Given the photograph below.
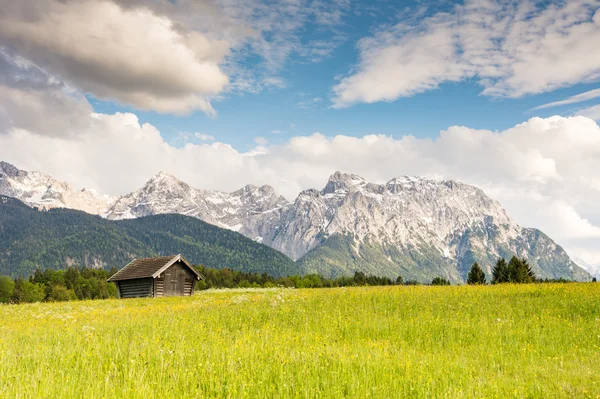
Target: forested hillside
x=32 y=239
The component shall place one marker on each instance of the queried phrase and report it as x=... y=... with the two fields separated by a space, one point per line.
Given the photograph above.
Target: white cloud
x=261 y=141
x=204 y=137
x=543 y=171
x=276 y=131
x=591 y=262
x=592 y=112
x=510 y=48
x=167 y=56
x=130 y=55
x=588 y=95
x=309 y=103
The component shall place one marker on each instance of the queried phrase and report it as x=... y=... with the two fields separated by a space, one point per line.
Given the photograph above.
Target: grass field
x=538 y=341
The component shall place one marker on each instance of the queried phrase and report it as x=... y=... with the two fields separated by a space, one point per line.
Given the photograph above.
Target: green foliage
x=7 y=286
x=26 y=291
x=59 y=238
x=440 y=281
x=86 y=283
x=516 y=271
x=60 y=293
x=58 y=286
x=476 y=275
x=227 y=278
x=500 y=273
x=520 y=271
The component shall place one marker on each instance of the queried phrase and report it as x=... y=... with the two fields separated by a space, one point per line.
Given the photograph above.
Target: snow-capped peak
x=402 y=223
x=343 y=181
x=42 y=191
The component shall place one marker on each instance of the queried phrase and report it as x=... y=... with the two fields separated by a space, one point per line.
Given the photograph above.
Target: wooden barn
x=156 y=277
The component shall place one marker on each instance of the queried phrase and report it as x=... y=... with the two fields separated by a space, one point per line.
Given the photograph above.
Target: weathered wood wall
x=177 y=280
x=141 y=287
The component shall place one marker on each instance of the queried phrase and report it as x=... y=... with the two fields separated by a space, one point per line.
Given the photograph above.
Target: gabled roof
x=150 y=267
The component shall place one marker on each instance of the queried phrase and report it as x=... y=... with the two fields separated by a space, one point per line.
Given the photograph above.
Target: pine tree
x=476 y=275
x=440 y=281
x=500 y=274
x=520 y=271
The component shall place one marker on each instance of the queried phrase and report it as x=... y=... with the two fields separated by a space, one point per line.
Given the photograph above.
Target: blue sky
x=302 y=103
x=197 y=88
x=242 y=118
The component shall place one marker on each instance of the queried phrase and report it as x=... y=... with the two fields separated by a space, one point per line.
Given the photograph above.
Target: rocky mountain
x=42 y=191
x=415 y=227
x=57 y=238
x=245 y=210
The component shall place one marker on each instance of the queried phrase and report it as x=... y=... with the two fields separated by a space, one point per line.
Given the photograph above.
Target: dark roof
x=149 y=267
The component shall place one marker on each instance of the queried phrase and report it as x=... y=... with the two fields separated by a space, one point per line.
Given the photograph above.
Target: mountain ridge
x=58 y=238
x=415 y=225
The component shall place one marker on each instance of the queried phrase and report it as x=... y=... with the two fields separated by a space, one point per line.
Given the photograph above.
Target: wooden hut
x=156 y=277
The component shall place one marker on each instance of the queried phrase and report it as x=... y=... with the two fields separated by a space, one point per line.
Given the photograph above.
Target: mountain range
x=415 y=227
x=58 y=238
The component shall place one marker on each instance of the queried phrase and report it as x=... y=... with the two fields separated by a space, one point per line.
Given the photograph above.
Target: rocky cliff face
x=415 y=227
x=244 y=210
x=42 y=191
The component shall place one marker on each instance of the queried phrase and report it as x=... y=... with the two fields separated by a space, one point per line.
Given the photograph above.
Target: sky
x=501 y=94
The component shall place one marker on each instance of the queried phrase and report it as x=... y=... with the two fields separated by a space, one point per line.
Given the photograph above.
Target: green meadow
x=538 y=341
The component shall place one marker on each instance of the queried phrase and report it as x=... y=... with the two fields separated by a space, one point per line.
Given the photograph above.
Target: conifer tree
x=476 y=275
x=520 y=271
x=500 y=274
x=440 y=281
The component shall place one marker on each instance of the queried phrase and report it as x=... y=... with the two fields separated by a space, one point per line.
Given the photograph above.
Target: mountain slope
x=42 y=191
x=247 y=210
x=59 y=238
x=411 y=226
x=415 y=227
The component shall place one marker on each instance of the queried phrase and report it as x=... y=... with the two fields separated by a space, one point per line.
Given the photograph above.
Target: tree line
x=58 y=285
x=228 y=278
x=88 y=283
x=515 y=271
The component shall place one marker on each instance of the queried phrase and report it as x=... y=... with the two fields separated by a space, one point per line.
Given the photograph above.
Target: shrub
x=6 y=289
x=60 y=293
x=26 y=291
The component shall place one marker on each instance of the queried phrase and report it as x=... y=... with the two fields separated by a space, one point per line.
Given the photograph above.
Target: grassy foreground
x=497 y=341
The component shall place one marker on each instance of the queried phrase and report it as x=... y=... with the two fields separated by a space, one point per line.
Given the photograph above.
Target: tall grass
x=455 y=342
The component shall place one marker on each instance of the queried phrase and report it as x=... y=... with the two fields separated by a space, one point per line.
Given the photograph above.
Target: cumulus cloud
x=543 y=170
x=166 y=56
x=511 y=48
x=129 y=55
x=592 y=112
x=32 y=99
x=261 y=141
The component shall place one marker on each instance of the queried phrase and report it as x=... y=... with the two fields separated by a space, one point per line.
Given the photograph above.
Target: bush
x=25 y=292
x=60 y=293
x=6 y=289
